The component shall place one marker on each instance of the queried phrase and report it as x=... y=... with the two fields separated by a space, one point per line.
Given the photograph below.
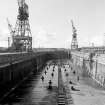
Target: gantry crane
x=21 y=34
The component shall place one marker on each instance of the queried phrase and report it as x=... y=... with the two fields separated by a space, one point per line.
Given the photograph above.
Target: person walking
x=42 y=78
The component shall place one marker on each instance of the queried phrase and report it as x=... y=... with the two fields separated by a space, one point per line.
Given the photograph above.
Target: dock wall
x=19 y=66
x=89 y=66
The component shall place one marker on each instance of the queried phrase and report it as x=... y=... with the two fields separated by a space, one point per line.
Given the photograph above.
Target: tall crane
x=21 y=34
x=73 y=28
x=74 y=43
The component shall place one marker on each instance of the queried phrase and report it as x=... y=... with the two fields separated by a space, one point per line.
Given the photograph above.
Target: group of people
x=70 y=82
x=52 y=74
x=66 y=74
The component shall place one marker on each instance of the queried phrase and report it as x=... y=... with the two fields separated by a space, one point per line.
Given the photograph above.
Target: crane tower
x=74 y=43
x=21 y=35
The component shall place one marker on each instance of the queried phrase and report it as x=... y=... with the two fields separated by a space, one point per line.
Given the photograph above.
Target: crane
x=10 y=28
x=21 y=33
x=23 y=10
x=74 y=43
x=21 y=3
x=74 y=29
x=12 y=32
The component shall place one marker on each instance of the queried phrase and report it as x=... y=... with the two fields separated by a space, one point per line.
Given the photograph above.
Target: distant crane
x=10 y=27
x=11 y=32
x=74 y=43
x=73 y=28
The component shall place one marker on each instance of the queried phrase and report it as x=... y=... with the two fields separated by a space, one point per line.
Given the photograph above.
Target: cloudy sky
x=50 y=21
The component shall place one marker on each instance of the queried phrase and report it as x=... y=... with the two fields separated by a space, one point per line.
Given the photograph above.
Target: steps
x=64 y=95
x=61 y=99
x=61 y=90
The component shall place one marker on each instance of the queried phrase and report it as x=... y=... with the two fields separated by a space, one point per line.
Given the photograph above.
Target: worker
x=53 y=67
x=50 y=84
x=47 y=68
x=74 y=72
x=74 y=89
x=71 y=82
x=45 y=72
x=67 y=74
x=52 y=74
x=42 y=78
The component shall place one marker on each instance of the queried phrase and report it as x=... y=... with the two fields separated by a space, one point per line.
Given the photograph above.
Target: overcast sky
x=50 y=21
